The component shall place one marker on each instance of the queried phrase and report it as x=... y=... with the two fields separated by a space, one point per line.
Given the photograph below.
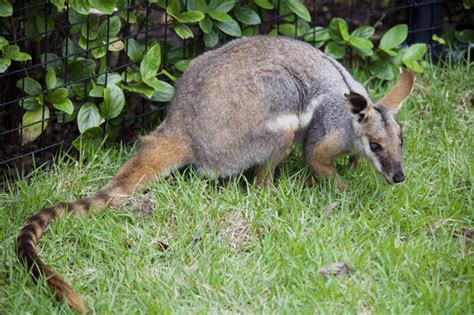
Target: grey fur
x=227 y=98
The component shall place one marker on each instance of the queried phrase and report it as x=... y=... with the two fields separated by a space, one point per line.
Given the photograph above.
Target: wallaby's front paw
x=354 y=161
x=310 y=182
x=340 y=184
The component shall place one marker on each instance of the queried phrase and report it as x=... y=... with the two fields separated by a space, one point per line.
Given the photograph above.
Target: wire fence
x=63 y=40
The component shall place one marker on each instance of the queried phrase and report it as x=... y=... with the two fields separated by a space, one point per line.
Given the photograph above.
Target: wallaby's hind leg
x=320 y=160
x=158 y=155
x=265 y=173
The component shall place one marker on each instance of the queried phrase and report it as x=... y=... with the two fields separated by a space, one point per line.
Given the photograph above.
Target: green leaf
x=317 y=34
x=223 y=6
x=334 y=50
x=6 y=8
x=182 y=65
x=90 y=139
x=33 y=124
x=30 y=86
x=105 y=6
x=81 y=69
x=211 y=39
x=13 y=52
x=56 y=96
x=163 y=92
x=30 y=103
x=438 y=39
x=50 y=60
x=51 y=79
x=134 y=51
x=150 y=63
x=182 y=30
x=190 y=17
x=414 y=52
x=465 y=36
x=206 y=25
x=68 y=49
x=290 y=30
x=112 y=79
x=114 y=101
x=88 y=117
x=197 y=5
x=414 y=65
x=334 y=30
x=80 y=6
x=97 y=91
x=382 y=69
x=114 y=25
x=231 y=28
x=363 y=31
x=220 y=16
x=4 y=64
x=3 y=43
x=43 y=25
x=359 y=42
x=394 y=36
x=141 y=88
x=299 y=9
x=64 y=105
x=389 y=51
x=364 y=52
x=58 y=3
x=265 y=4
x=247 y=16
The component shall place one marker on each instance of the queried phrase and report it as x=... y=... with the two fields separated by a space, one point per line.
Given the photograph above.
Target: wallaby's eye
x=375 y=147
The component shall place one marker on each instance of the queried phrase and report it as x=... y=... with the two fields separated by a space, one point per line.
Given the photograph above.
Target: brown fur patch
x=321 y=160
x=322 y=157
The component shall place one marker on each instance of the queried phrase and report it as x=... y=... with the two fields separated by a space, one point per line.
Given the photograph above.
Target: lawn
x=240 y=249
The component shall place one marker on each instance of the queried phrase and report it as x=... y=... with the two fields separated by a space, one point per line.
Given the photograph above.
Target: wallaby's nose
x=398 y=177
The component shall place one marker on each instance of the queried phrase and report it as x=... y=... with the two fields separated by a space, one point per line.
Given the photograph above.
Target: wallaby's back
x=236 y=102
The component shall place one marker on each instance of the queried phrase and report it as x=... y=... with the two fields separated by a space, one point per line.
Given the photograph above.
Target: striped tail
x=158 y=154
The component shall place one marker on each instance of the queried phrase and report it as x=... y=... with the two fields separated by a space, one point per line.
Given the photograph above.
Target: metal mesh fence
x=60 y=39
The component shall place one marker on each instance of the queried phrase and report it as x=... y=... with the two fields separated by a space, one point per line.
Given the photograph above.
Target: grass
x=239 y=249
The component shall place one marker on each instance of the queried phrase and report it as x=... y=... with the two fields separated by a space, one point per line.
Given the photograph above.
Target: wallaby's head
x=378 y=136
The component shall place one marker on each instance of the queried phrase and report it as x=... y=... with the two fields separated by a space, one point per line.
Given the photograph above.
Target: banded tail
x=159 y=153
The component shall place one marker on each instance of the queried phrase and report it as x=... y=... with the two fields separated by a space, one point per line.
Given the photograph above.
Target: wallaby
x=242 y=105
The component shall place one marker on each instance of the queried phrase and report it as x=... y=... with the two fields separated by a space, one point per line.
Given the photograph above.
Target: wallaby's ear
x=394 y=99
x=358 y=106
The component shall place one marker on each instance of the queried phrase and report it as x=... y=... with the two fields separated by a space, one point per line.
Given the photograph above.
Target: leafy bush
x=96 y=56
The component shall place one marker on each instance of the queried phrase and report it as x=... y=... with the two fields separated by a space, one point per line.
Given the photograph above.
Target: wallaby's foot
x=354 y=161
x=340 y=183
x=264 y=176
x=311 y=181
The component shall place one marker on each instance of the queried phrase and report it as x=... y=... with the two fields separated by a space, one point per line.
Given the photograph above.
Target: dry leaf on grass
x=466 y=233
x=328 y=209
x=160 y=245
x=341 y=269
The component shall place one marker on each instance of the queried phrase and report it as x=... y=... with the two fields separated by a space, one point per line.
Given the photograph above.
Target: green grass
x=239 y=249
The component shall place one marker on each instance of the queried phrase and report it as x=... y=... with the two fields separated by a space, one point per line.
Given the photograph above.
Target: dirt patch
x=141 y=204
x=238 y=232
x=339 y=270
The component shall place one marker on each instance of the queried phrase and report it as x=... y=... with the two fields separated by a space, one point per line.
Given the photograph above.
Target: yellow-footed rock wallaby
x=244 y=105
